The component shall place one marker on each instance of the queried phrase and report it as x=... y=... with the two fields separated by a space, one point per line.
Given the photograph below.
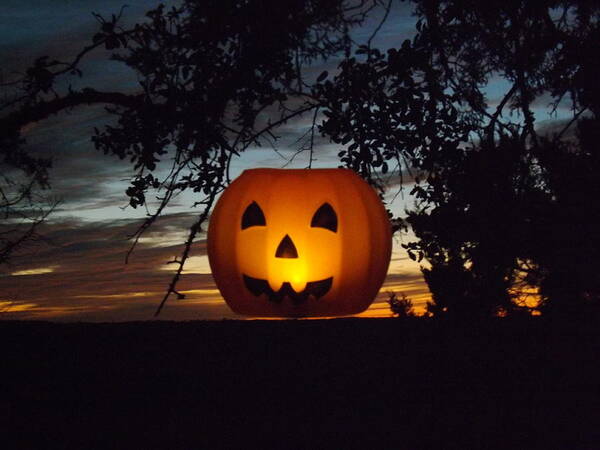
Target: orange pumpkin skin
x=333 y=258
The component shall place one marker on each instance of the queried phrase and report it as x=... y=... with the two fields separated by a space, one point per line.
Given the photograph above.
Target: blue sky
x=79 y=274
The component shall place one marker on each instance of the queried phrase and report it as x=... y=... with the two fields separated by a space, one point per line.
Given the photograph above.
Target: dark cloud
x=81 y=178
x=84 y=179
x=77 y=272
x=80 y=174
x=35 y=28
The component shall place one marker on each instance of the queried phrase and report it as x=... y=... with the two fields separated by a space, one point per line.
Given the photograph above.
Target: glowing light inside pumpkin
x=294 y=272
x=319 y=251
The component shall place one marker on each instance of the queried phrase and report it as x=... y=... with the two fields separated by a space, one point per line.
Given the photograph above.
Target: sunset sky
x=78 y=271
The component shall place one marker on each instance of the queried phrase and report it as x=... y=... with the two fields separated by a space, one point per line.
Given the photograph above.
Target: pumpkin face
x=299 y=242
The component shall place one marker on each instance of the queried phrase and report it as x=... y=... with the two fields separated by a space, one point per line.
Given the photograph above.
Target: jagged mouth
x=315 y=288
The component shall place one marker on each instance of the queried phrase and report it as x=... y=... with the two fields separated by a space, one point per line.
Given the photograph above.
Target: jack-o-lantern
x=299 y=242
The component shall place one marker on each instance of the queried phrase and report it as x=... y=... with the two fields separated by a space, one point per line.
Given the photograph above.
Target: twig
x=312 y=137
x=385 y=16
x=195 y=228
x=498 y=112
x=571 y=122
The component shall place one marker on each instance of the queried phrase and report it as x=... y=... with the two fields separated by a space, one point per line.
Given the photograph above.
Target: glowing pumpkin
x=299 y=242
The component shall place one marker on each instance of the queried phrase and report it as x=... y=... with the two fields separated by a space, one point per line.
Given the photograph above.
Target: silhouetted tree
x=492 y=194
x=207 y=71
x=566 y=244
x=400 y=306
x=473 y=236
x=523 y=203
x=23 y=203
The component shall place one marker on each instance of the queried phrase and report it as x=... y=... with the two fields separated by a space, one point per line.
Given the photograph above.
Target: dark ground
x=370 y=383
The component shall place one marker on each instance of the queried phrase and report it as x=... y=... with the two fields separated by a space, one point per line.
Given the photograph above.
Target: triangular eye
x=325 y=217
x=253 y=216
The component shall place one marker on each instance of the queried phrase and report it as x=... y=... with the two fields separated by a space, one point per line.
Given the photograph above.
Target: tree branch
x=195 y=228
x=494 y=118
x=42 y=110
x=571 y=122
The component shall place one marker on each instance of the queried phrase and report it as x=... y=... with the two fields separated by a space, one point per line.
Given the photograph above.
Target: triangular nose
x=286 y=248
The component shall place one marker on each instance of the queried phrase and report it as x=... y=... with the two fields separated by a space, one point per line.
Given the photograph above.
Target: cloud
x=80 y=272
x=89 y=183
x=35 y=28
x=77 y=272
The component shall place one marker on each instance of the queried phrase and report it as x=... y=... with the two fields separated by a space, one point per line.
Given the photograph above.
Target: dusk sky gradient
x=78 y=272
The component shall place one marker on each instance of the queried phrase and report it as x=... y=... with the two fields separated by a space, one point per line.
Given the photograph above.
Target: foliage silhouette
x=400 y=306
x=503 y=208
x=23 y=203
x=207 y=71
x=493 y=193
x=518 y=197
x=566 y=243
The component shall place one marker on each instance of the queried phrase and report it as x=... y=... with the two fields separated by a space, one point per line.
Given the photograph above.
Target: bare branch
x=195 y=228
x=376 y=30
x=42 y=110
x=312 y=136
x=571 y=122
x=494 y=118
